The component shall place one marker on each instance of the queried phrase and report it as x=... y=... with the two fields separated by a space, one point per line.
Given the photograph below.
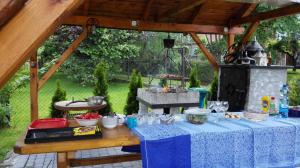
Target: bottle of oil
x=265 y=103
x=273 y=110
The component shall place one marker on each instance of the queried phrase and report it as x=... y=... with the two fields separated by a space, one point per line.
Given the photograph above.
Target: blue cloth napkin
x=164 y=146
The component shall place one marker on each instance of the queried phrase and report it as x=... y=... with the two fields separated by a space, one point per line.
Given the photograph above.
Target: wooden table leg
x=63 y=159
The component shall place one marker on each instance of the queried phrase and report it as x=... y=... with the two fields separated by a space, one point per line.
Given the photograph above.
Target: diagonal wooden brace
x=210 y=57
x=62 y=59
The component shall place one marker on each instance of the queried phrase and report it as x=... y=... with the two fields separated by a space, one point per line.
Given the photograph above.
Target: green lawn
x=21 y=106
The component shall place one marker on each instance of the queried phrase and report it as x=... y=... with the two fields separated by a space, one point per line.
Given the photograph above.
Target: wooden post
x=211 y=58
x=34 y=87
x=230 y=41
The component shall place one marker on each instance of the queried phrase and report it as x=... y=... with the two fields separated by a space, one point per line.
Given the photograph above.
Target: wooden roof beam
x=182 y=7
x=210 y=57
x=62 y=59
x=198 y=12
x=115 y=23
x=27 y=30
x=147 y=9
x=280 y=12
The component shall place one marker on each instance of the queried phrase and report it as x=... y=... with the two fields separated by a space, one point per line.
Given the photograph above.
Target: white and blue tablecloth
x=228 y=143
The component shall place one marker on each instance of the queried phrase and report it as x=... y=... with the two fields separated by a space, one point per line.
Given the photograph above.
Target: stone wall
x=264 y=82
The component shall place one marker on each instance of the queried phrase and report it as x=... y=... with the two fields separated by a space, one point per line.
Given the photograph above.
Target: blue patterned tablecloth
x=228 y=143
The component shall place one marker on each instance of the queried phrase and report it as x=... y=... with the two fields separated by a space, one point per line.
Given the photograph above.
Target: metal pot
x=95 y=100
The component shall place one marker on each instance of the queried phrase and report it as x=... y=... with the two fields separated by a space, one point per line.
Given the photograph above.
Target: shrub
x=4 y=116
x=294 y=95
x=101 y=87
x=59 y=95
x=214 y=88
x=194 y=81
x=132 y=105
x=163 y=82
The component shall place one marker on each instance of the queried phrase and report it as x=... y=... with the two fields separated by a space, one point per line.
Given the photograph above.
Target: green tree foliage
x=113 y=46
x=132 y=105
x=59 y=95
x=194 y=81
x=214 y=88
x=101 y=86
x=294 y=95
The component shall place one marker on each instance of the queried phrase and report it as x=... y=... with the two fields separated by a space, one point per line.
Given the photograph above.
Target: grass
x=20 y=103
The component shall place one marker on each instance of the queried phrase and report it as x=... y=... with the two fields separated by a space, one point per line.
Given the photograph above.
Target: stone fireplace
x=244 y=85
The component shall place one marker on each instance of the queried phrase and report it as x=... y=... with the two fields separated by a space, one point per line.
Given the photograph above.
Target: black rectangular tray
x=56 y=135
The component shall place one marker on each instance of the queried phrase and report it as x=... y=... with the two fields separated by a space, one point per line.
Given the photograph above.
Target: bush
x=194 y=81
x=294 y=95
x=4 y=116
x=205 y=71
x=163 y=82
x=214 y=88
x=59 y=95
x=101 y=87
x=132 y=105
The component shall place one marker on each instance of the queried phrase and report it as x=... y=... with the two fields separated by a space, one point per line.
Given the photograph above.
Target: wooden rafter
x=210 y=57
x=27 y=30
x=198 y=12
x=147 y=9
x=182 y=7
x=284 y=11
x=230 y=41
x=62 y=59
x=34 y=87
x=250 y=31
x=8 y=8
x=108 y=22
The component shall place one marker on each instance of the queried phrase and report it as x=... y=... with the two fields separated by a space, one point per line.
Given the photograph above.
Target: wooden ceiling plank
x=182 y=7
x=210 y=57
x=116 y=23
x=147 y=9
x=198 y=12
x=27 y=30
x=273 y=14
x=62 y=59
x=86 y=7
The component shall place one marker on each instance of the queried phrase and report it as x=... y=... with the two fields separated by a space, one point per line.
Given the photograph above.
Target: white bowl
x=110 y=122
x=87 y=122
x=256 y=116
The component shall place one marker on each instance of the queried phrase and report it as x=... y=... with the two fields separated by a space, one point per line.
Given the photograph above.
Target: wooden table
x=120 y=136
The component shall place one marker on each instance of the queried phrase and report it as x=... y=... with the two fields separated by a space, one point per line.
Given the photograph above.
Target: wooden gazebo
x=26 y=24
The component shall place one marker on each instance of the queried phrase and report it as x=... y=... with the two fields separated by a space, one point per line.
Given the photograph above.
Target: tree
x=194 y=81
x=132 y=105
x=59 y=95
x=294 y=95
x=214 y=88
x=101 y=87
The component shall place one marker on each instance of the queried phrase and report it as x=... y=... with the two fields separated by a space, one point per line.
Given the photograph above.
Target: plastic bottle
x=265 y=103
x=284 y=101
x=273 y=110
